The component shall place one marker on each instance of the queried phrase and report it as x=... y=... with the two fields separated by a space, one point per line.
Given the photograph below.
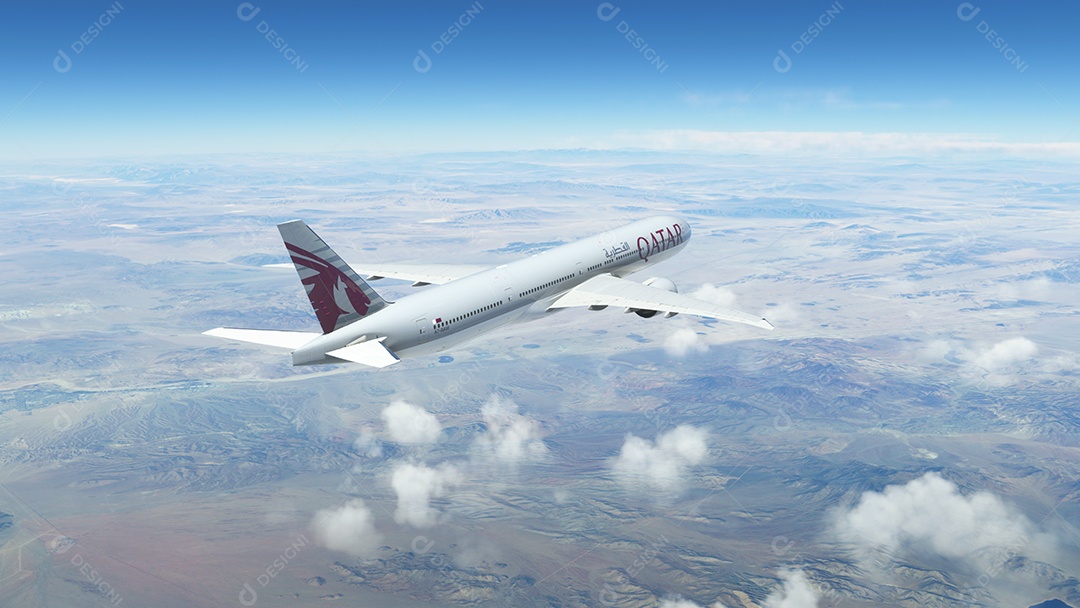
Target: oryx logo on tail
x=332 y=294
x=338 y=295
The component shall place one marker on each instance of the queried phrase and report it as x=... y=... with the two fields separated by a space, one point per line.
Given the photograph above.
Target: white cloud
x=349 y=528
x=1060 y=364
x=661 y=465
x=1006 y=353
x=684 y=341
x=930 y=515
x=367 y=443
x=477 y=551
x=721 y=296
x=782 y=314
x=849 y=143
x=833 y=98
x=681 y=603
x=935 y=351
x=510 y=437
x=415 y=486
x=796 y=592
x=1035 y=289
x=996 y=364
x=411 y=424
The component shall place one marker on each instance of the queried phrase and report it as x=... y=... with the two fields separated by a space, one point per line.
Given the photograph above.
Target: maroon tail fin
x=338 y=295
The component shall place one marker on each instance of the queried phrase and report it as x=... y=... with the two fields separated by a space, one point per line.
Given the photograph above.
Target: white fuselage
x=444 y=316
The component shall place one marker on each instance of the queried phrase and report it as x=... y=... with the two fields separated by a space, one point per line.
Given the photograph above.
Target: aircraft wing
x=606 y=290
x=419 y=274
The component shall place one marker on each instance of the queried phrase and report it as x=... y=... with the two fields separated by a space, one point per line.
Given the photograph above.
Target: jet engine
x=659 y=283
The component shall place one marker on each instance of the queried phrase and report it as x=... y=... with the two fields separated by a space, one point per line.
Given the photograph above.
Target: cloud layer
x=850 y=143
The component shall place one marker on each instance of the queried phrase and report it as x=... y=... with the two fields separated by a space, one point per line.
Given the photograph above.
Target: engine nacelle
x=659 y=283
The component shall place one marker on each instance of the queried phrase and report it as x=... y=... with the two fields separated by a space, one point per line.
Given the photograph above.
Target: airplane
x=359 y=326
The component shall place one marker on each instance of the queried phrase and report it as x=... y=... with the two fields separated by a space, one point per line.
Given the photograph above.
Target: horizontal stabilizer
x=291 y=340
x=371 y=353
x=606 y=290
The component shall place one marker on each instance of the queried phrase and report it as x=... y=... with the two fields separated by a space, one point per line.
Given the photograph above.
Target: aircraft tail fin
x=338 y=295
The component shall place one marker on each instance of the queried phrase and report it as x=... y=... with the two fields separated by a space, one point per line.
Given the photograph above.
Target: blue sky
x=196 y=77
